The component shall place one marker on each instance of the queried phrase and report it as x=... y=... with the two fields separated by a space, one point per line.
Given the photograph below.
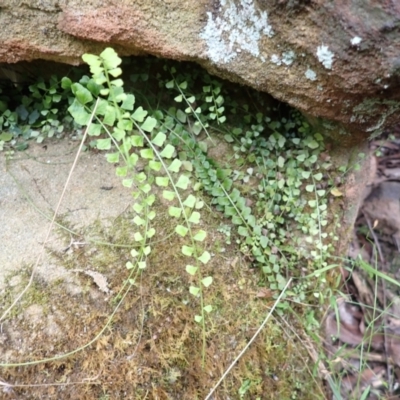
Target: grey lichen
x=288 y=57
x=325 y=56
x=276 y=59
x=236 y=28
x=310 y=74
x=355 y=41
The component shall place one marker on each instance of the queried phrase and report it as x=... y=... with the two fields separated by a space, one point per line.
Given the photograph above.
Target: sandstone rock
x=331 y=59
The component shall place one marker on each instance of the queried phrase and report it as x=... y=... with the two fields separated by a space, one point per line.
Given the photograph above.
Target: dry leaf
x=99 y=279
x=336 y=192
x=264 y=293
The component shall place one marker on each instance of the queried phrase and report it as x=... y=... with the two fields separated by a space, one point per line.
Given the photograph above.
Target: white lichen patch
x=325 y=56
x=355 y=41
x=310 y=74
x=288 y=57
x=276 y=59
x=237 y=27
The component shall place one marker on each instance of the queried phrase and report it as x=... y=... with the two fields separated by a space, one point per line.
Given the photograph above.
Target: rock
x=334 y=60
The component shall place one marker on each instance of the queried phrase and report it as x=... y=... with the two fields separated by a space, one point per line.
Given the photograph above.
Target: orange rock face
x=335 y=60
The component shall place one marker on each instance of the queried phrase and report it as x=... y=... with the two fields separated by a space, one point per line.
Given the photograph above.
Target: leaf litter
x=362 y=331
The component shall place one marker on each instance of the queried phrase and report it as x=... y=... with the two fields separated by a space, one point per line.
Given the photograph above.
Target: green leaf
x=195 y=217
x=191 y=270
x=81 y=93
x=66 y=83
x=194 y=290
x=301 y=157
x=94 y=129
x=125 y=124
x=281 y=141
x=281 y=162
x=155 y=165
x=183 y=85
x=198 y=318
x=139 y=114
x=187 y=251
x=181 y=230
x=78 y=112
x=305 y=174
x=134 y=253
x=318 y=176
x=200 y=236
x=138 y=237
x=207 y=281
x=168 y=195
x=313 y=144
x=129 y=265
x=205 y=257
x=136 y=140
x=243 y=231
x=174 y=211
x=178 y=98
x=110 y=58
x=190 y=201
x=92 y=60
x=109 y=116
x=142 y=264
x=150 y=233
x=313 y=159
x=115 y=72
x=208 y=308
x=118 y=83
x=181 y=116
x=133 y=159
x=113 y=157
x=138 y=220
x=6 y=137
x=183 y=182
x=170 y=84
x=147 y=154
x=217 y=191
x=264 y=241
x=137 y=208
x=162 y=181
x=168 y=151
x=159 y=139
x=197 y=128
x=103 y=144
x=121 y=171
x=149 y=201
x=175 y=165
x=310 y=188
x=149 y=124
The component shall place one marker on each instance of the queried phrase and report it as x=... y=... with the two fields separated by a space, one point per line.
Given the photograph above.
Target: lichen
x=310 y=74
x=355 y=41
x=276 y=59
x=288 y=57
x=325 y=56
x=236 y=28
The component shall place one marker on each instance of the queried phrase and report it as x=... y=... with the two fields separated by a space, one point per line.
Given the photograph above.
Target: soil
x=77 y=324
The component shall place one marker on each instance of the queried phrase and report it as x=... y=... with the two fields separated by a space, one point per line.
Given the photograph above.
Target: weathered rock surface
x=331 y=59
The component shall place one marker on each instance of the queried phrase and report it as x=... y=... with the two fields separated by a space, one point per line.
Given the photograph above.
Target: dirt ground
x=84 y=327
